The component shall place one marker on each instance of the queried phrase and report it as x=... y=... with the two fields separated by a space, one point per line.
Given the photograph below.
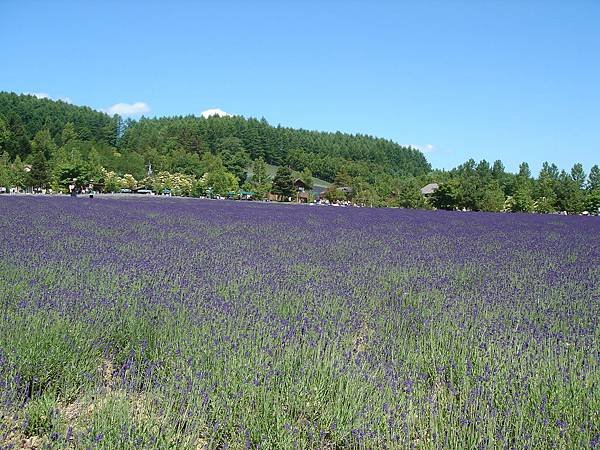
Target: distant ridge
x=324 y=153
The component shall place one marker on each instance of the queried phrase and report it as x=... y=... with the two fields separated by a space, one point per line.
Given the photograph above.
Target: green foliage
x=343 y=178
x=570 y=198
x=260 y=182
x=78 y=142
x=18 y=176
x=71 y=173
x=524 y=171
x=446 y=196
x=578 y=175
x=334 y=195
x=41 y=415
x=234 y=156
x=592 y=202
x=27 y=115
x=5 y=171
x=408 y=194
x=283 y=183
x=545 y=195
x=179 y=160
x=323 y=153
x=521 y=201
x=492 y=198
x=307 y=178
x=39 y=175
x=219 y=182
x=365 y=195
x=594 y=178
x=68 y=133
x=19 y=143
x=43 y=143
x=5 y=135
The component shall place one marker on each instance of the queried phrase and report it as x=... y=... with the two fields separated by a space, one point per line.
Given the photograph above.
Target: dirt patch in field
x=11 y=435
x=361 y=340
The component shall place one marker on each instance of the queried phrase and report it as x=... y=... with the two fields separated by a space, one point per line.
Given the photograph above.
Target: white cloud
x=427 y=148
x=48 y=96
x=128 y=109
x=215 y=112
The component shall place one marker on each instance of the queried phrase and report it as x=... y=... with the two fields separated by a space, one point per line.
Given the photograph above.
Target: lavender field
x=185 y=323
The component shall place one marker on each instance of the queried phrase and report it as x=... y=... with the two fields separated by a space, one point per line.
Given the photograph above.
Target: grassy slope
x=272 y=170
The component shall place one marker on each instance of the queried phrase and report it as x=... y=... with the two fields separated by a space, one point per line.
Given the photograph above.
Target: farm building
x=300 y=185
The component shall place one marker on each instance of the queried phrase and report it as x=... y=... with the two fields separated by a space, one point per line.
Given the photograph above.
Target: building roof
x=430 y=188
x=299 y=182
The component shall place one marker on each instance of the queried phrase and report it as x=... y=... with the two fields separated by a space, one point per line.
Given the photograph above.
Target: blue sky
x=519 y=81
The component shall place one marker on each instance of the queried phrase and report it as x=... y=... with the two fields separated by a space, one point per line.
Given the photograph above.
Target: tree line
x=49 y=144
x=484 y=187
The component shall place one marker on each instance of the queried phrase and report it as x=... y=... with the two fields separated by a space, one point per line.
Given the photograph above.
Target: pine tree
x=578 y=175
x=4 y=135
x=68 y=133
x=39 y=175
x=283 y=183
x=43 y=143
x=307 y=178
x=594 y=178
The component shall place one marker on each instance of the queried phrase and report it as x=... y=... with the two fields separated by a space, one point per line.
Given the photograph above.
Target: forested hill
x=325 y=154
x=50 y=144
x=25 y=115
x=159 y=141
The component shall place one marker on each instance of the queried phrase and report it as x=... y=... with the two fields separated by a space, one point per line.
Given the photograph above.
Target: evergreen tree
x=4 y=135
x=93 y=166
x=592 y=202
x=498 y=170
x=492 y=198
x=307 y=178
x=283 y=183
x=594 y=178
x=549 y=172
x=39 y=175
x=578 y=175
x=545 y=189
x=342 y=178
x=235 y=158
x=68 y=133
x=43 y=143
x=524 y=171
x=568 y=195
x=18 y=144
x=5 y=171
